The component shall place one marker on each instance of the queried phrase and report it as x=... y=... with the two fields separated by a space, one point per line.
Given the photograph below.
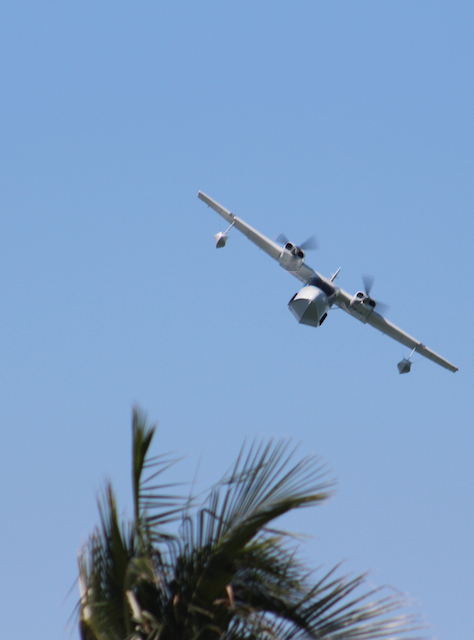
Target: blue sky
x=352 y=121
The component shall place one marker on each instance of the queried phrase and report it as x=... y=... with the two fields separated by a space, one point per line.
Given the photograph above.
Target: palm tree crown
x=224 y=574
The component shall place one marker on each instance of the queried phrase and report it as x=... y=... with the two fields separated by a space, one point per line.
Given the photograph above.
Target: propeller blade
x=310 y=244
x=368 y=282
x=281 y=239
x=381 y=308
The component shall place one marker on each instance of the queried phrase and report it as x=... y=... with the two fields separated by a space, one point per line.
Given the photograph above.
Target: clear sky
x=350 y=120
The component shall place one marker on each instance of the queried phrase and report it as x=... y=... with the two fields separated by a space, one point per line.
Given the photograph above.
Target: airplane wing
x=270 y=247
x=388 y=328
x=394 y=332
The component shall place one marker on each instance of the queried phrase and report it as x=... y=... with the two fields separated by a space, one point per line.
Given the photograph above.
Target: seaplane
x=318 y=295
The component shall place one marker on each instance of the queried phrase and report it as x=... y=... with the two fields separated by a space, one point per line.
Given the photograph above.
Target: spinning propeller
x=308 y=245
x=368 y=281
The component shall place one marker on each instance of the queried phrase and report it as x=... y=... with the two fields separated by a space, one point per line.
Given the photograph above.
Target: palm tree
x=224 y=573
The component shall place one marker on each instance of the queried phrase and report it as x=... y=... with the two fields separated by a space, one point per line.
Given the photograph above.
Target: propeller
x=368 y=281
x=308 y=245
x=311 y=244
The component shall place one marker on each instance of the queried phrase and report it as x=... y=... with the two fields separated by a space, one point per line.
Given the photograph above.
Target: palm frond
x=120 y=556
x=261 y=487
x=104 y=571
x=154 y=506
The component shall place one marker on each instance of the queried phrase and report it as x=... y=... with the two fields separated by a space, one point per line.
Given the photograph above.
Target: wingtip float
x=311 y=304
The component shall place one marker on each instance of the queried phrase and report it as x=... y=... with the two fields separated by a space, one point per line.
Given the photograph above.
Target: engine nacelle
x=310 y=305
x=361 y=306
x=362 y=298
x=291 y=258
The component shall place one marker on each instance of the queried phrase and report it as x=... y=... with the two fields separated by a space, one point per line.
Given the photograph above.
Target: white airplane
x=311 y=304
